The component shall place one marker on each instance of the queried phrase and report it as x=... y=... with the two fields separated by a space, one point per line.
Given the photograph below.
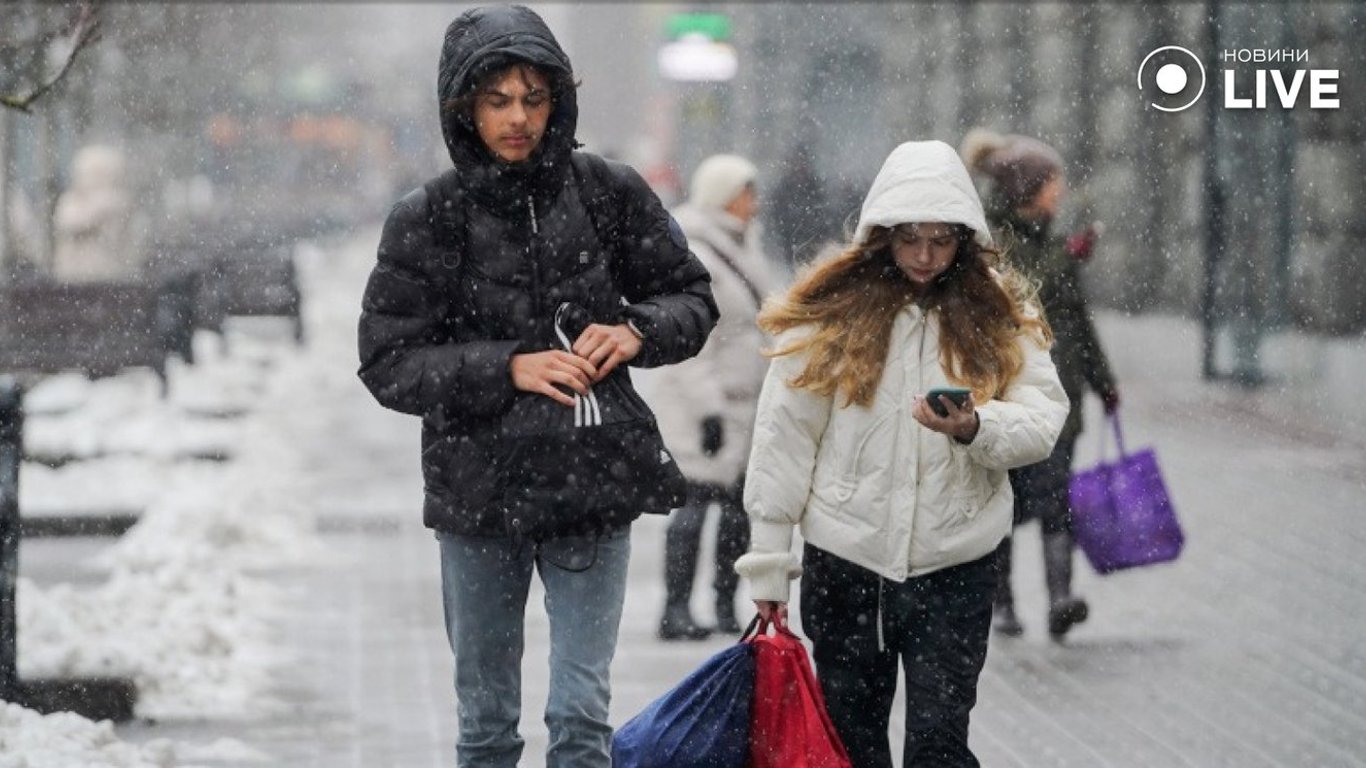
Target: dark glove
x=713 y=436
x=1081 y=245
x=1110 y=397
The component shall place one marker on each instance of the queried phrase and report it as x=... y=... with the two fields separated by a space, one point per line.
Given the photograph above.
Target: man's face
x=512 y=112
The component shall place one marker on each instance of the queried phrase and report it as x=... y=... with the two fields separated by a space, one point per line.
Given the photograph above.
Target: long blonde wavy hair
x=852 y=298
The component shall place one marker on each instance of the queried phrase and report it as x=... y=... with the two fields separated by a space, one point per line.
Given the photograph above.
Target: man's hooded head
x=484 y=41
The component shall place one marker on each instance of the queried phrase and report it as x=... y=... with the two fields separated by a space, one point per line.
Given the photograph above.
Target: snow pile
x=180 y=612
x=194 y=637
x=249 y=515
x=71 y=418
x=115 y=484
x=64 y=740
x=184 y=611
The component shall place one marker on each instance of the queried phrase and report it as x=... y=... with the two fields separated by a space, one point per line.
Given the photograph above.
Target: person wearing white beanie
x=719 y=180
x=705 y=406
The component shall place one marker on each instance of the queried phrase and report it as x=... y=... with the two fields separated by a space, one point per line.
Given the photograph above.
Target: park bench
x=99 y=328
x=98 y=698
x=253 y=274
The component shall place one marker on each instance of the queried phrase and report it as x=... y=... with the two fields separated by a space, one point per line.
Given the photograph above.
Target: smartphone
x=958 y=395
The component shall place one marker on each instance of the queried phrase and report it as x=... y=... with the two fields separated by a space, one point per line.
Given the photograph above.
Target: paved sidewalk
x=1246 y=652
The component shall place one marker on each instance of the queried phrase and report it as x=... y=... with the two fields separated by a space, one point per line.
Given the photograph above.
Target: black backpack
x=557 y=471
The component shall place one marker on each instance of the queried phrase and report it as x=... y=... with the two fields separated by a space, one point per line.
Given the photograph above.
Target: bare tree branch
x=83 y=31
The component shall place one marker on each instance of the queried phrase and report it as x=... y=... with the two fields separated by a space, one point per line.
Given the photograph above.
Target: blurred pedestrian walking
x=1027 y=186
x=484 y=276
x=902 y=502
x=799 y=211
x=706 y=404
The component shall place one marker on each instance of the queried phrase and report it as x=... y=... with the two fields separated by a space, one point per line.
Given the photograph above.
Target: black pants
x=684 y=540
x=937 y=627
x=1041 y=490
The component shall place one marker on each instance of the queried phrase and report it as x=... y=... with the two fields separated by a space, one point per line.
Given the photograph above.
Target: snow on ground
x=194 y=637
x=185 y=609
x=63 y=740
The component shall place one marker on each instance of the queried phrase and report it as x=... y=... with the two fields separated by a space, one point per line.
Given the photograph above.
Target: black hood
x=478 y=41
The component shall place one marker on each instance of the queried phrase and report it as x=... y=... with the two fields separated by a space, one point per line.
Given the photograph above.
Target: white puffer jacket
x=724 y=379
x=871 y=484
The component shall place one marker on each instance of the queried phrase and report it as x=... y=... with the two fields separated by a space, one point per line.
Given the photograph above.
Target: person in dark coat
x=460 y=325
x=799 y=213
x=1026 y=188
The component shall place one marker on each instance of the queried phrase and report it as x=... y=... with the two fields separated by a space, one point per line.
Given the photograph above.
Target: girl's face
x=923 y=251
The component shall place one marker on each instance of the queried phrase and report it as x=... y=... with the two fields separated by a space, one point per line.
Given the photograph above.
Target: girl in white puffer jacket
x=901 y=508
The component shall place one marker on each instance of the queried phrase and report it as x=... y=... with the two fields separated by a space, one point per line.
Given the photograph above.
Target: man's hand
x=1110 y=397
x=545 y=372
x=606 y=346
x=1081 y=245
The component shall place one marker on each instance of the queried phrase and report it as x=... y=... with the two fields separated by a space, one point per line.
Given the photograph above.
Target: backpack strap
x=601 y=192
x=446 y=217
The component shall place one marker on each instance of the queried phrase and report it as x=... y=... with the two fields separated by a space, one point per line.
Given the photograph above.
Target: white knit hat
x=720 y=179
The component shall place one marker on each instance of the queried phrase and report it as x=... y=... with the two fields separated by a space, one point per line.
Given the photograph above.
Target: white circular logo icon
x=1172 y=78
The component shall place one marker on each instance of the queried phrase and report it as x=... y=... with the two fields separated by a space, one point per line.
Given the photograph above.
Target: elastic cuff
x=768 y=574
x=987 y=425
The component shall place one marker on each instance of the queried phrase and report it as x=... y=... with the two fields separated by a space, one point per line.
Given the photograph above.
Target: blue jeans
x=484 y=585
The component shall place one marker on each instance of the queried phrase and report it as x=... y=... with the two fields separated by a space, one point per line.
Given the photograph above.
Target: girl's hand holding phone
x=959 y=414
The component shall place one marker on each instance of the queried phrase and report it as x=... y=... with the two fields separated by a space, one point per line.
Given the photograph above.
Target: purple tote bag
x=1121 y=513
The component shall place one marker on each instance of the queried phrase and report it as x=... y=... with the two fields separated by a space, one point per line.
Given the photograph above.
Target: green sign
x=715 y=26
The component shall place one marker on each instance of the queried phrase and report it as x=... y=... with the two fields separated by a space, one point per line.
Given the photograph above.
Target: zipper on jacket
x=531 y=254
x=919 y=433
x=920 y=387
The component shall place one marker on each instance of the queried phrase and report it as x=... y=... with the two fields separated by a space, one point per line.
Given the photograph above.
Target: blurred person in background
x=1026 y=188
x=901 y=506
x=705 y=405
x=99 y=233
x=460 y=325
x=798 y=210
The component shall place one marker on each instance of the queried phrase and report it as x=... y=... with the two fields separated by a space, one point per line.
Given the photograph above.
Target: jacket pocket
x=464 y=470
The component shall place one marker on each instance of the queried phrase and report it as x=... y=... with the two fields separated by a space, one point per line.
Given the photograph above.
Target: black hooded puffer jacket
x=439 y=325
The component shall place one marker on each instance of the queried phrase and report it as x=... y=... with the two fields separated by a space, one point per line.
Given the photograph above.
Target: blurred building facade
x=847 y=82
x=823 y=92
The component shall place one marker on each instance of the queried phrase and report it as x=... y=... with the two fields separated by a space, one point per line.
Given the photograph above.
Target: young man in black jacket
x=518 y=283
